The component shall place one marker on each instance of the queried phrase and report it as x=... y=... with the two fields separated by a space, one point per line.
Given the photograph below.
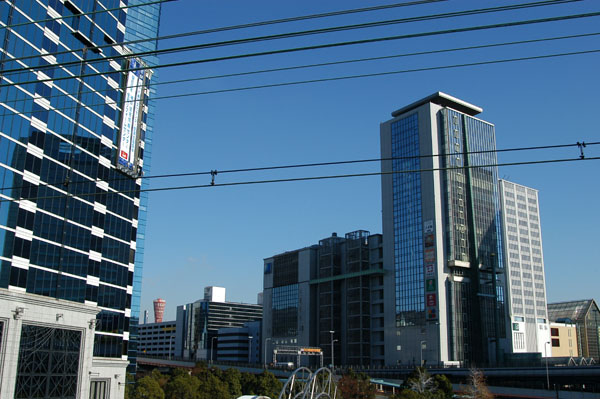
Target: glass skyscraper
x=75 y=136
x=442 y=233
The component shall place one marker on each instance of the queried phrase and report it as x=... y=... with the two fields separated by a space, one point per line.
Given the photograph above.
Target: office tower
x=585 y=314
x=199 y=322
x=442 y=234
x=329 y=296
x=73 y=125
x=524 y=262
x=141 y=26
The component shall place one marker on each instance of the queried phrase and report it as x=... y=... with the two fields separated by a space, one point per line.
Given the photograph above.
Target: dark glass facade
x=142 y=23
x=285 y=311
x=68 y=219
x=408 y=223
x=473 y=234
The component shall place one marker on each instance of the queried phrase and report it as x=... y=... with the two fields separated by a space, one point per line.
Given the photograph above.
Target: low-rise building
x=239 y=344
x=563 y=338
x=586 y=316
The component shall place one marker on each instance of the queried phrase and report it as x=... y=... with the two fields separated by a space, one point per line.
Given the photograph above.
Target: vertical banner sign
x=429 y=258
x=130 y=120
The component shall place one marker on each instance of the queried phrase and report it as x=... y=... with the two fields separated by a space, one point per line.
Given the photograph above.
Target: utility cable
x=328 y=45
x=307 y=33
x=308 y=178
x=339 y=78
x=341 y=62
x=330 y=163
x=242 y=26
x=84 y=14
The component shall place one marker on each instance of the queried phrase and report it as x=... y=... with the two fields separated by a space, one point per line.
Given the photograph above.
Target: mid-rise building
x=198 y=322
x=586 y=316
x=524 y=262
x=157 y=339
x=442 y=236
x=329 y=296
x=75 y=135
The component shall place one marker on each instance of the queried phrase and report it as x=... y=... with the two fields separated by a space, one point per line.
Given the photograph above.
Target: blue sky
x=220 y=235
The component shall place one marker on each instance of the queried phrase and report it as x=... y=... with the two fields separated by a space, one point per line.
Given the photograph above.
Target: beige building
x=563 y=338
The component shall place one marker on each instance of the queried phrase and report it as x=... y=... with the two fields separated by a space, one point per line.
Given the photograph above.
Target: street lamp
x=265 y=358
x=249 y=348
x=331 y=332
x=546 y=356
x=422 y=342
x=212 y=340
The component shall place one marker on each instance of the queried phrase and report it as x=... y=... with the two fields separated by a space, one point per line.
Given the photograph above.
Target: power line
x=330 y=163
x=308 y=178
x=242 y=26
x=500 y=61
x=312 y=32
x=341 y=62
x=85 y=13
x=328 y=45
x=339 y=78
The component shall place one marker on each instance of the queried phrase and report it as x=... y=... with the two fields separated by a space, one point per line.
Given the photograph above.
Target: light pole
x=249 y=348
x=331 y=332
x=212 y=340
x=265 y=358
x=546 y=355
x=422 y=342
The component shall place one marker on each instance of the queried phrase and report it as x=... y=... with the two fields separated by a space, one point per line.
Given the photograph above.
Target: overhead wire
x=341 y=62
x=306 y=178
x=241 y=26
x=323 y=46
x=62 y=17
x=318 y=164
x=293 y=34
x=329 y=163
x=331 y=79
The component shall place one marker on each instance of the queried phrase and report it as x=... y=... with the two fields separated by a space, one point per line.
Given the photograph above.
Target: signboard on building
x=428 y=226
x=131 y=118
x=430 y=285
x=431 y=300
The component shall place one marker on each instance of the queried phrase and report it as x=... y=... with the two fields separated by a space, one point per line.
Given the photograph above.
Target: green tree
x=160 y=378
x=268 y=385
x=212 y=387
x=356 y=386
x=444 y=386
x=249 y=384
x=182 y=386
x=147 y=388
x=406 y=393
x=232 y=377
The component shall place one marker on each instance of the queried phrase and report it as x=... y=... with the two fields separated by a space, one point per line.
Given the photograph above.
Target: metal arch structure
x=304 y=384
